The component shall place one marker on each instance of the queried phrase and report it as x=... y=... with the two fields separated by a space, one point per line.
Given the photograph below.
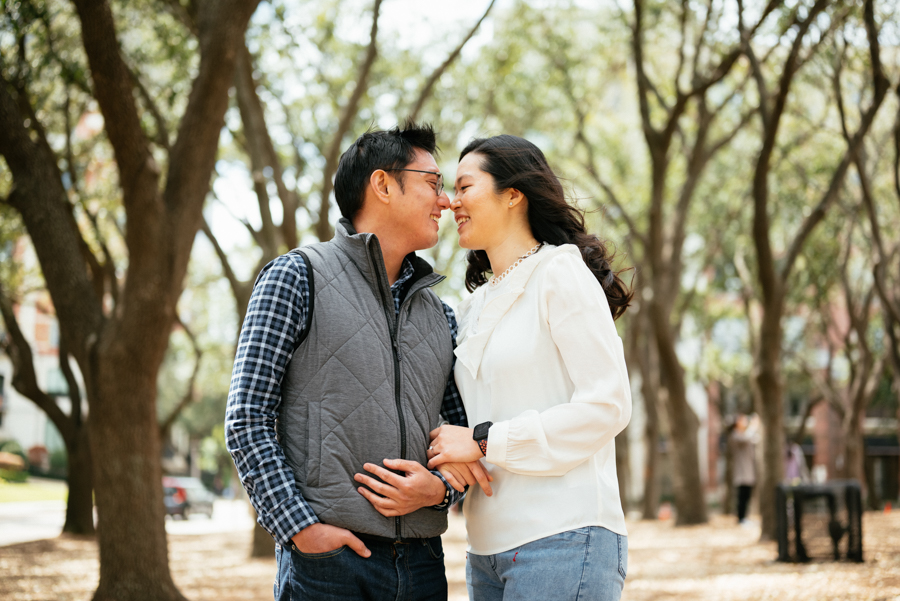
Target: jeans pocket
x=623 y=555
x=325 y=555
x=435 y=547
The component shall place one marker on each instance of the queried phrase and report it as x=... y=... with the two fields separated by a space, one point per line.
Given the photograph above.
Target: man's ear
x=380 y=183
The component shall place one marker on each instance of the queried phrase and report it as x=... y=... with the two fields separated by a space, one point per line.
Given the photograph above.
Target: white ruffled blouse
x=539 y=356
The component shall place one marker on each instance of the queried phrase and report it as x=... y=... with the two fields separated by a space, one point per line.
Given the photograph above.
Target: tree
x=659 y=240
x=119 y=351
x=73 y=427
x=773 y=273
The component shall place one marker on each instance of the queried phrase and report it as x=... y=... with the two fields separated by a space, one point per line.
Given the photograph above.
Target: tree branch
x=162 y=130
x=800 y=434
x=881 y=85
x=262 y=154
x=323 y=226
x=39 y=197
x=190 y=392
x=222 y=27
x=24 y=379
x=113 y=89
x=236 y=284
x=425 y=93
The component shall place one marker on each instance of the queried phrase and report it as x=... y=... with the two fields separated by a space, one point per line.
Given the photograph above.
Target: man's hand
x=322 y=538
x=400 y=495
x=460 y=475
x=452 y=444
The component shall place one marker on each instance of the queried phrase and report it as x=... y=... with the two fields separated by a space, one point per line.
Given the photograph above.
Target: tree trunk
x=263 y=545
x=728 y=501
x=134 y=562
x=80 y=504
x=650 y=394
x=855 y=449
x=769 y=402
x=690 y=500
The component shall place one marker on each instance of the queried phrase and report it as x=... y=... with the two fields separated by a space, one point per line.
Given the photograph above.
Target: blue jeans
x=411 y=570
x=585 y=563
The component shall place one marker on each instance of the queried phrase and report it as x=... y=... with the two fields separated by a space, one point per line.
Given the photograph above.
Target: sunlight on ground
x=719 y=561
x=36 y=489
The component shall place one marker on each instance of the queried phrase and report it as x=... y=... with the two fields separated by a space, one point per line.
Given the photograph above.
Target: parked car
x=185 y=496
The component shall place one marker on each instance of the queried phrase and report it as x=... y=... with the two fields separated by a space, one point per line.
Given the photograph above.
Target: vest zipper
x=394 y=330
x=398 y=527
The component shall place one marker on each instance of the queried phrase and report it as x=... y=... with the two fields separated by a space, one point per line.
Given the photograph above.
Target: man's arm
x=276 y=317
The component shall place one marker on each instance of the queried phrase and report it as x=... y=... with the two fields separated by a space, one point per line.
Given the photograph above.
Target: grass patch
x=33 y=490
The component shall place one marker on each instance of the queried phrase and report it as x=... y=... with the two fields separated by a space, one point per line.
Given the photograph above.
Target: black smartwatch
x=481 y=435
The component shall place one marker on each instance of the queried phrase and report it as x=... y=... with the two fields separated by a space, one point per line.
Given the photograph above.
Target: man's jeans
x=585 y=563
x=408 y=570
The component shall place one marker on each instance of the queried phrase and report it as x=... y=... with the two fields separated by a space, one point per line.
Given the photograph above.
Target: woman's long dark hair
x=517 y=163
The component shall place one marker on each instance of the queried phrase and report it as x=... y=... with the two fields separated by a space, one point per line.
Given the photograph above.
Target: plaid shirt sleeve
x=275 y=319
x=452 y=410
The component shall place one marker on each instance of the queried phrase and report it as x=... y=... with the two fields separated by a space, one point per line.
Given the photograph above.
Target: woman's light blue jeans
x=585 y=563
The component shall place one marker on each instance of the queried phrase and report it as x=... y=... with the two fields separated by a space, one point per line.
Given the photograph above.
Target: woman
x=541 y=371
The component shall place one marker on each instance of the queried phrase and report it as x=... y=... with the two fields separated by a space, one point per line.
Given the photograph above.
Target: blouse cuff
x=498 y=438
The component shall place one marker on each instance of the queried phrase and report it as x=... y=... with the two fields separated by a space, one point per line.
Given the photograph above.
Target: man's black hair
x=375 y=149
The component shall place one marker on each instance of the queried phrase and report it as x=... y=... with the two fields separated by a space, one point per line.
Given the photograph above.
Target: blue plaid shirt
x=274 y=322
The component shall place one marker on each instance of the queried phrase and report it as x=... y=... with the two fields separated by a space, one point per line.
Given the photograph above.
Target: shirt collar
x=406 y=272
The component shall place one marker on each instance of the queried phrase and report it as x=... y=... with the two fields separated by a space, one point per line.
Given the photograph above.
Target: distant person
x=744 y=439
x=795 y=468
x=345 y=362
x=541 y=370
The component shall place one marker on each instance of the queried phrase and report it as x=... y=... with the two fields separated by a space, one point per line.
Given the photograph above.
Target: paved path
x=34 y=520
x=37 y=520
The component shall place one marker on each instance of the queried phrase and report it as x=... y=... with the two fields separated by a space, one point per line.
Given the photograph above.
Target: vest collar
x=364 y=251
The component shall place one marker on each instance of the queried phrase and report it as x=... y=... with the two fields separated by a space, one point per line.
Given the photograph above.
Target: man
x=344 y=363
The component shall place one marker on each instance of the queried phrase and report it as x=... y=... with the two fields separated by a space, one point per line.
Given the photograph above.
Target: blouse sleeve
x=554 y=441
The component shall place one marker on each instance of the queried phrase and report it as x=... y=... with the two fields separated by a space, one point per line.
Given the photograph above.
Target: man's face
x=418 y=207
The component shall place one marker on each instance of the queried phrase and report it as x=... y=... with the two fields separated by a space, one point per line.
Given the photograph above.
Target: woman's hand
x=460 y=475
x=452 y=444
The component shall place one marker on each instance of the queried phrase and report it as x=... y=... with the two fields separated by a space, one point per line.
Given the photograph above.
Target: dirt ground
x=719 y=561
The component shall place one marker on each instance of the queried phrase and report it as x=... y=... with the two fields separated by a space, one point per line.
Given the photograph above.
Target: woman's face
x=481 y=214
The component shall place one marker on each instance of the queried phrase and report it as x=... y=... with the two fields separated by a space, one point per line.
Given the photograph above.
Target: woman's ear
x=380 y=183
x=514 y=198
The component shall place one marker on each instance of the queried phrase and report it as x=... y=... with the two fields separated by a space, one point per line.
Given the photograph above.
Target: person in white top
x=541 y=371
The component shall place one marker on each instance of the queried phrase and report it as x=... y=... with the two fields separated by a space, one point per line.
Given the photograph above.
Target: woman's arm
x=552 y=442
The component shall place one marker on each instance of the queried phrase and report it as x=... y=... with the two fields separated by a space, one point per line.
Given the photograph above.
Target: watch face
x=481 y=431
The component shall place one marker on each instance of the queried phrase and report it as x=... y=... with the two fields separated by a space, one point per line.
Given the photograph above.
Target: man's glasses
x=440 y=178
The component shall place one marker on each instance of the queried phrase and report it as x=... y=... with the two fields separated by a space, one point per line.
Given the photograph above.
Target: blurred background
x=740 y=157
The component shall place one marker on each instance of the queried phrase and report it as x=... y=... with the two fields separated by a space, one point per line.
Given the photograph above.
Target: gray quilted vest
x=363 y=386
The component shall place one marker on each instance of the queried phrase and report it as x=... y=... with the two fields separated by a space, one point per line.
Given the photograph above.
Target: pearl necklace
x=497 y=278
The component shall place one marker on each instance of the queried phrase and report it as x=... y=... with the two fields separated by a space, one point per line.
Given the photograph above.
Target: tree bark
x=263 y=545
x=128 y=478
x=80 y=502
x=649 y=367
x=768 y=399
